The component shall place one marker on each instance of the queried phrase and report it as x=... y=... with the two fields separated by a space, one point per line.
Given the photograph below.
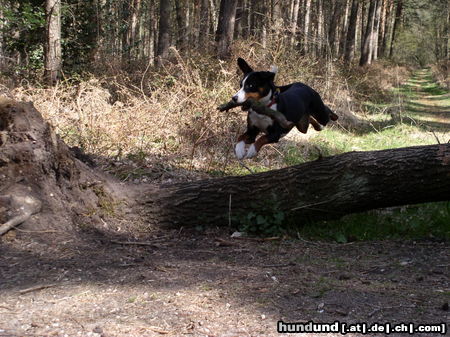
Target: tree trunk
x=2 y=39
x=323 y=189
x=351 y=33
x=447 y=33
x=381 y=28
x=333 y=27
x=225 y=28
x=306 y=26
x=52 y=55
x=204 y=23
x=131 y=14
x=366 y=47
x=344 y=28
x=320 y=29
x=294 y=21
x=277 y=21
x=182 y=17
x=398 y=16
x=164 y=30
x=387 y=26
x=375 y=32
x=239 y=19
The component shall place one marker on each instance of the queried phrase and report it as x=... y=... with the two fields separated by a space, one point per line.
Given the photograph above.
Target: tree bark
x=225 y=27
x=182 y=17
x=323 y=189
x=387 y=26
x=320 y=29
x=294 y=21
x=204 y=23
x=366 y=47
x=344 y=28
x=306 y=26
x=52 y=54
x=382 y=27
x=375 y=33
x=333 y=27
x=164 y=30
x=351 y=33
x=398 y=16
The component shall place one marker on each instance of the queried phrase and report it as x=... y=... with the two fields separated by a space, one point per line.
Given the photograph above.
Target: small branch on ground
x=29 y=290
x=22 y=203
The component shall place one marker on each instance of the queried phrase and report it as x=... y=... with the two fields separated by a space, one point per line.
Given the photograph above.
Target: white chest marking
x=262 y=122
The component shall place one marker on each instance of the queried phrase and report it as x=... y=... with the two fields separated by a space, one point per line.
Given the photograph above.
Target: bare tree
x=398 y=16
x=225 y=28
x=294 y=20
x=306 y=25
x=375 y=32
x=164 y=30
x=351 y=33
x=204 y=22
x=182 y=18
x=52 y=54
x=366 y=48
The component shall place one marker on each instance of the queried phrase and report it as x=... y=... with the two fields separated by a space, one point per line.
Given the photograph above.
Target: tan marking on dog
x=261 y=142
x=255 y=95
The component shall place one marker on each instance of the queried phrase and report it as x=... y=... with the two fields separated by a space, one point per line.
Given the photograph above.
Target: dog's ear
x=243 y=65
x=268 y=75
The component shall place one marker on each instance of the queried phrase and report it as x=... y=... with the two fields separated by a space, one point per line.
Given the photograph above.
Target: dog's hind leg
x=303 y=124
x=332 y=115
x=316 y=125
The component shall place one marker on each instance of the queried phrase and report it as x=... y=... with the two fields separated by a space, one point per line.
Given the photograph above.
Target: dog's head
x=255 y=84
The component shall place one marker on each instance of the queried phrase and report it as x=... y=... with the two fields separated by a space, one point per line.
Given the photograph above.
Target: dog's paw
x=251 y=152
x=240 y=150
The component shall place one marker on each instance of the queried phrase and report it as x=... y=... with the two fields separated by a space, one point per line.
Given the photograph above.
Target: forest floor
x=190 y=283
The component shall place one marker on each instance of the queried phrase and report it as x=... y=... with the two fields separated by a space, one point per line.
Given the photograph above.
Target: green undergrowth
x=425 y=221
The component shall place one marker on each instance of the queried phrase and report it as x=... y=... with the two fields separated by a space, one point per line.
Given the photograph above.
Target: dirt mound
x=42 y=184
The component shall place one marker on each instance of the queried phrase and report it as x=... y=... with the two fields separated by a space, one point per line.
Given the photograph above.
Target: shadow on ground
x=199 y=283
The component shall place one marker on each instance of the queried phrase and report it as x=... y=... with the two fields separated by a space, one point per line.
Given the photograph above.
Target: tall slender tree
x=225 y=28
x=366 y=48
x=351 y=33
x=164 y=30
x=294 y=21
x=52 y=54
x=398 y=16
x=306 y=25
x=204 y=22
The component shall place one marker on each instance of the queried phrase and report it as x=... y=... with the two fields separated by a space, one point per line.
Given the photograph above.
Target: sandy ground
x=208 y=284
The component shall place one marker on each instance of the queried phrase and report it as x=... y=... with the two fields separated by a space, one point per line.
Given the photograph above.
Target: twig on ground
x=245 y=166
x=137 y=243
x=373 y=312
x=29 y=290
x=279 y=265
x=10 y=224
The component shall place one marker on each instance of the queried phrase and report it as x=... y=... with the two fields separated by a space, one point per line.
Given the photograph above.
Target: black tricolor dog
x=298 y=102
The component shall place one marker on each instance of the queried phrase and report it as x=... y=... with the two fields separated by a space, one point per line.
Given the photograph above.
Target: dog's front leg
x=240 y=149
x=248 y=137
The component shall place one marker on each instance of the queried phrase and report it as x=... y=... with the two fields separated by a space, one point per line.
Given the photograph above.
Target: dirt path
x=426 y=103
x=188 y=283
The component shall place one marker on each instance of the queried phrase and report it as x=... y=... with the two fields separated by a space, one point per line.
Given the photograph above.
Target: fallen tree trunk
x=323 y=189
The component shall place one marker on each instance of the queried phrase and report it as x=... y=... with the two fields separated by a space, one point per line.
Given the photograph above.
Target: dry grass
x=168 y=116
x=441 y=73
